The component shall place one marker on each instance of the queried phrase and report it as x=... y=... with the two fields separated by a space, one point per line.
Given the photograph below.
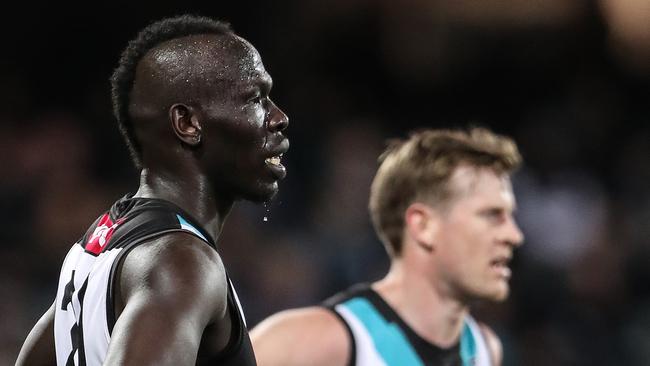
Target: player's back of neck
x=192 y=193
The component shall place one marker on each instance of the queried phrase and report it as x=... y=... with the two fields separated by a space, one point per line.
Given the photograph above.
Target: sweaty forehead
x=224 y=57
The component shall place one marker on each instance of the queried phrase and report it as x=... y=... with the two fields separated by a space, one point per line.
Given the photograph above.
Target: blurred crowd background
x=569 y=80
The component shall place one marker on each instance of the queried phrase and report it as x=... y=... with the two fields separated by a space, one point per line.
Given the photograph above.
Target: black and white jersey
x=381 y=338
x=85 y=317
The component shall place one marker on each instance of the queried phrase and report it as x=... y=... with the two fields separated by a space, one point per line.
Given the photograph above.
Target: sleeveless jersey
x=84 y=316
x=381 y=338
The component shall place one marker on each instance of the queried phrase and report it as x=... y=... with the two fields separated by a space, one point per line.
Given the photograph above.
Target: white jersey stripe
x=367 y=354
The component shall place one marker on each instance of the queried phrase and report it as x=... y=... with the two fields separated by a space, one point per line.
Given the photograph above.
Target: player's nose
x=516 y=236
x=512 y=235
x=278 y=120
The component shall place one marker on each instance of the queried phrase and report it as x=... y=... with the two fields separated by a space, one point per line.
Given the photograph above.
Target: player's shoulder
x=177 y=264
x=303 y=320
x=312 y=335
x=176 y=251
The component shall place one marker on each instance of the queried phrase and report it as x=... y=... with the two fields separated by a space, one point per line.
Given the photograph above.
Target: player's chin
x=264 y=192
x=498 y=293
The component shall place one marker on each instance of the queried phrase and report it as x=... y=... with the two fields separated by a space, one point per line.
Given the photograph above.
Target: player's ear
x=185 y=123
x=421 y=223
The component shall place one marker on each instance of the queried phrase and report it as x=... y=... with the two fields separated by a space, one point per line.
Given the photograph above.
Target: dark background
x=568 y=80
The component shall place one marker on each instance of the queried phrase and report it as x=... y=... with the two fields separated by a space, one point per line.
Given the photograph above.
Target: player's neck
x=432 y=315
x=191 y=193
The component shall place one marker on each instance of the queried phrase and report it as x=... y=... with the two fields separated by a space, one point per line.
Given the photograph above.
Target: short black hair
x=148 y=38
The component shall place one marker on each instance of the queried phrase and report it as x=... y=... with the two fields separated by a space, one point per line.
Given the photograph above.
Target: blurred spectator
x=629 y=33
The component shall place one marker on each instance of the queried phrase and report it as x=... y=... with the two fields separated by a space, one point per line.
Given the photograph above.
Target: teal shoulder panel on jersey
x=389 y=340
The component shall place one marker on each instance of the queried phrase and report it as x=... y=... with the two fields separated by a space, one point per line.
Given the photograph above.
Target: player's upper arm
x=172 y=288
x=493 y=343
x=309 y=336
x=38 y=348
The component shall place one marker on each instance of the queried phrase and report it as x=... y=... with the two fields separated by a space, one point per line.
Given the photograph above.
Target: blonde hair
x=419 y=168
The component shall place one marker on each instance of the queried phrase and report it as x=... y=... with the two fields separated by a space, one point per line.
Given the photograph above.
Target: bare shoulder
x=175 y=267
x=493 y=344
x=306 y=336
x=176 y=278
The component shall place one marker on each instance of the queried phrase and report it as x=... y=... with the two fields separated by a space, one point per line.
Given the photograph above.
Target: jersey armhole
x=237 y=328
x=352 y=352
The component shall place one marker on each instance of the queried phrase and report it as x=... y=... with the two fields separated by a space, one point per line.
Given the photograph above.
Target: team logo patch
x=102 y=234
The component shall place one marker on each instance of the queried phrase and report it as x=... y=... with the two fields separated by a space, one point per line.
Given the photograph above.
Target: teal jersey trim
x=187 y=226
x=467 y=346
x=388 y=338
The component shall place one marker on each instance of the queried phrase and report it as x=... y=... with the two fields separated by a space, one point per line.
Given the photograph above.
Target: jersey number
x=76 y=333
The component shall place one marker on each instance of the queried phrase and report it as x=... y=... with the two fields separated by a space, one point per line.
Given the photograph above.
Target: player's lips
x=275 y=165
x=274 y=161
x=500 y=265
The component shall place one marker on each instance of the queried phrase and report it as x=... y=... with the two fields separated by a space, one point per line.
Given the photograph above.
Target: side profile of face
x=476 y=235
x=241 y=127
x=217 y=91
x=201 y=105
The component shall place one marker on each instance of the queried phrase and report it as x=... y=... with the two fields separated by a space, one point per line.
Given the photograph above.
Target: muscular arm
x=38 y=348
x=309 y=336
x=171 y=289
